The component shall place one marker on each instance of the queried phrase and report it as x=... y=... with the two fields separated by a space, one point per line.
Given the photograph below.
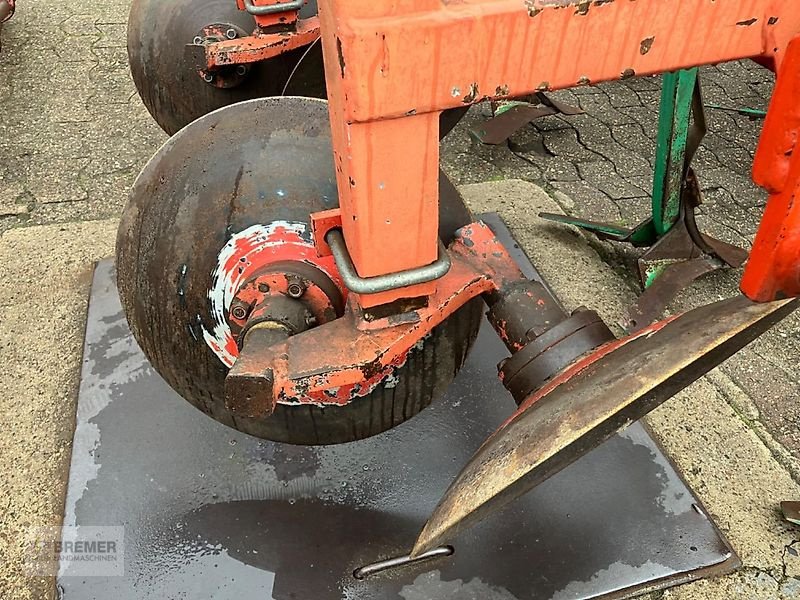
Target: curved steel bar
x=400 y=561
x=272 y=9
x=382 y=283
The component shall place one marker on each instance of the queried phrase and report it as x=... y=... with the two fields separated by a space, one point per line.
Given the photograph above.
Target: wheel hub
x=224 y=77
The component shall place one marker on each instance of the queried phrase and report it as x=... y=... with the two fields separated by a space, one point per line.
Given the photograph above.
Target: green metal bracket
x=675 y=144
x=673 y=132
x=753 y=113
x=678 y=253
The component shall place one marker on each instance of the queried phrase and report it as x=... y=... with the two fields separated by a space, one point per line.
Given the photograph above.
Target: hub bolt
x=197 y=40
x=263 y=288
x=239 y=312
x=208 y=77
x=295 y=289
x=231 y=34
x=241 y=70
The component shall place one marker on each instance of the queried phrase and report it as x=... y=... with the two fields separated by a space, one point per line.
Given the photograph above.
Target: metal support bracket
x=678 y=253
x=272 y=9
x=382 y=283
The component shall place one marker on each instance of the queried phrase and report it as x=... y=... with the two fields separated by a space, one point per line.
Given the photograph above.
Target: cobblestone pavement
x=73 y=135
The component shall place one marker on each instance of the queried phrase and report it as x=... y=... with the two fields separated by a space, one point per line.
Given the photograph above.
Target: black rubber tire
x=168 y=84
x=208 y=182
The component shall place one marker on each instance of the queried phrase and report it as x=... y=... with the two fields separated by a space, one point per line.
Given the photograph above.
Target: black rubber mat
x=212 y=513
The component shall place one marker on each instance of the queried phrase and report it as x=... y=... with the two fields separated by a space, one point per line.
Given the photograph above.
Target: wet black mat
x=212 y=513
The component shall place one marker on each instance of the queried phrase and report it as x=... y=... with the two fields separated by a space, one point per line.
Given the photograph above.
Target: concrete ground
x=73 y=135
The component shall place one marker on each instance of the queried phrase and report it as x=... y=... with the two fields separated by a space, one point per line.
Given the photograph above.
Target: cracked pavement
x=74 y=134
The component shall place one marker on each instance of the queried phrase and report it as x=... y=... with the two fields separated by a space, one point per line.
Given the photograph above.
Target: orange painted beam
x=430 y=56
x=773 y=270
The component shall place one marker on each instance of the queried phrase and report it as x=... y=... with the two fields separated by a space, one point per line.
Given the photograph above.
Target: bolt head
x=197 y=40
x=241 y=70
x=239 y=312
x=295 y=290
x=208 y=77
x=263 y=288
x=231 y=34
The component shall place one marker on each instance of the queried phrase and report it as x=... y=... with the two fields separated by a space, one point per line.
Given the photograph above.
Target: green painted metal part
x=673 y=130
x=640 y=236
x=670 y=165
x=606 y=230
x=756 y=113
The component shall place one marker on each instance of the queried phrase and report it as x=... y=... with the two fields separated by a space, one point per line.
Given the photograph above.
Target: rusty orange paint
x=261 y=46
x=392 y=67
x=340 y=355
x=428 y=55
x=773 y=270
x=276 y=19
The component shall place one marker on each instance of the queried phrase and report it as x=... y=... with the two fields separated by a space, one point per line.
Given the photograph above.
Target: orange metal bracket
x=335 y=362
x=284 y=17
x=392 y=67
x=261 y=46
x=773 y=271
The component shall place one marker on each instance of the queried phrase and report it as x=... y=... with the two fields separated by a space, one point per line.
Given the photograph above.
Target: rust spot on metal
x=544 y=86
x=583 y=7
x=532 y=9
x=352 y=182
x=773 y=20
x=472 y=94
x=748 y=22
x=584 y=80
x=646 y=44
x=501 y=90
x=340 y=55
x=627 y=74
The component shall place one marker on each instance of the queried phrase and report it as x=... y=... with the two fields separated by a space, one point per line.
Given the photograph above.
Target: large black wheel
x=247 y=165
x=167 y=81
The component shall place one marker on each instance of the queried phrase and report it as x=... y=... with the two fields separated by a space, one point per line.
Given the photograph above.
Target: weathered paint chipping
x=244 y=253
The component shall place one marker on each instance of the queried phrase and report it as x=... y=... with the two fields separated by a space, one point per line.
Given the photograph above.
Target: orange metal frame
x=392 y=67
x=275 y=34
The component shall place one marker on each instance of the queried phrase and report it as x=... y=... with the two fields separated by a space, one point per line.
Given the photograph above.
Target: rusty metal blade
x=589 y=407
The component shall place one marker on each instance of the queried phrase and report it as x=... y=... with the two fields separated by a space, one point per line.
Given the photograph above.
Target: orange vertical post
x=773 y=270
x=386 y=170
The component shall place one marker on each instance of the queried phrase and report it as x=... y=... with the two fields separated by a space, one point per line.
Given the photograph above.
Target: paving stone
x=112 y=35
x=564 y=142
x=630 y=165
x=12 y=199
x=633 y=137
x=605 y=178
x=590 y=202
x=600 y=106
x=79 y=24
x=57 y=179
x=558 y=168
x=646 y=117
x=551 y=123
x=650 y=83
x=468 y=168
x=622 y=95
